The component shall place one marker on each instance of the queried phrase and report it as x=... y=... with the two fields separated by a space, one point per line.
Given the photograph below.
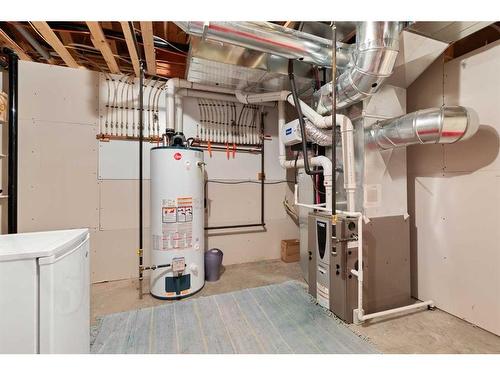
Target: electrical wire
x=315 y=187
x=295 y=167
x=170 y=44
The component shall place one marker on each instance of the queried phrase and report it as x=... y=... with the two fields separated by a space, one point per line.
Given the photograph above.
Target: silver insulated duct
x=434 y=125
x=377 y=46
x=268 y=37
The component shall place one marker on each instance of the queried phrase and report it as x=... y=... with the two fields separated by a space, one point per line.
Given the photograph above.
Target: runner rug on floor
x=279 y=318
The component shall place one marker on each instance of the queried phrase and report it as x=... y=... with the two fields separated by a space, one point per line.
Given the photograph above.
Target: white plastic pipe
x=249 y=98
x=279 y=96
x=281 y=125
x=347 y=138
x=359 y=272
x=179 y=112
x=320 y=206
x=379 y=314
x=171 y=88
x=322 y=161
x=359 y=314
x=322 y=122
x=183 y=84
x=195 y=93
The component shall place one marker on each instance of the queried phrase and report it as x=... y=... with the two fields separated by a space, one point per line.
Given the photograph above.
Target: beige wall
x=454 y=193
x=4 y=144
x=59 y=186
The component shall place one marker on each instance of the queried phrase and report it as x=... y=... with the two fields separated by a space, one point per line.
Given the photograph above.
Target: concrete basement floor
x=417 y=332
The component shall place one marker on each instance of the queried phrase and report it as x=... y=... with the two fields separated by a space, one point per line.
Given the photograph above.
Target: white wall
x=60 y=185
x=454 y=193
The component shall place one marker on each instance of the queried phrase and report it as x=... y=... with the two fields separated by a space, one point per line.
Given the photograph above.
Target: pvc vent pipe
x=433 y=125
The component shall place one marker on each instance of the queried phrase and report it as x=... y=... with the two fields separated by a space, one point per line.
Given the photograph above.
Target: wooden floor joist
x=8 y=42
x=132 y=51
x=100 y=42
x=51 y=38
x=149 y=49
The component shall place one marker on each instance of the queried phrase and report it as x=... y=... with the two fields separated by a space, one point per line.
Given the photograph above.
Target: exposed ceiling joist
x=131 y=46
x=99 y=41
x=66 y=38
x=112 y=44
x=8 y=42
x=51 y=38
x=149 y=49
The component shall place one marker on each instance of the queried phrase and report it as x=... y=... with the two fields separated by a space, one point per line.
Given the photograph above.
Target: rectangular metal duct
x=233 y=67
x=448 y=32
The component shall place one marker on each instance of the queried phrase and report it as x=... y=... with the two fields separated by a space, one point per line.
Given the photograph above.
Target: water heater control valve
x=178 y=265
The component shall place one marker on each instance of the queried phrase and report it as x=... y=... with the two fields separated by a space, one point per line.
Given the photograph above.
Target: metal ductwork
x=377 y=46
x=270 y=38
x=319 y=136
x=434 y=125
x=322 y=137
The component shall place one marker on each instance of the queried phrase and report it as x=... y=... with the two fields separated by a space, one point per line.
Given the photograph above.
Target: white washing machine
x=44 y=292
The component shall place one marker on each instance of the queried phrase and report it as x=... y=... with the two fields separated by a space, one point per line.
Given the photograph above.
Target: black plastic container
x=213 y=264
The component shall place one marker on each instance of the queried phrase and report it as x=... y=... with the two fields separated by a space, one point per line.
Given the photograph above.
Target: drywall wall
x=62 y=183
x=454 y=193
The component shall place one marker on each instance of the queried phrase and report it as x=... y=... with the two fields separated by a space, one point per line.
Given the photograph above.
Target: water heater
x=177 y=221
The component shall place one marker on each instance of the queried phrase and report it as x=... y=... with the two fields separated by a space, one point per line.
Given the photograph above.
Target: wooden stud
x=56 y=44
x=131 y=47
x=7 y=41
x=99 y=41
x=149 y=49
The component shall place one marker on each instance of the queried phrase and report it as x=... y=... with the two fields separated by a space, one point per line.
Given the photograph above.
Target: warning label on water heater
x=177 y=224
x=169 y=214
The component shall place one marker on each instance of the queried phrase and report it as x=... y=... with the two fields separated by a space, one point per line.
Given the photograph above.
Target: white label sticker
x=169 y=215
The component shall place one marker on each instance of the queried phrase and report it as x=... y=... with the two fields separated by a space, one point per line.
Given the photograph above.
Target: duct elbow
x=472 y=124
x=377 y=47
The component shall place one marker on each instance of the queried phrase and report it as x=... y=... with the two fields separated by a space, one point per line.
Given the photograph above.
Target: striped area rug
x=279 y=318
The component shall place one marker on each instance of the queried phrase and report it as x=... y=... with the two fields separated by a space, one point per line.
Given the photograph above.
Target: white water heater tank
x=177 y=221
